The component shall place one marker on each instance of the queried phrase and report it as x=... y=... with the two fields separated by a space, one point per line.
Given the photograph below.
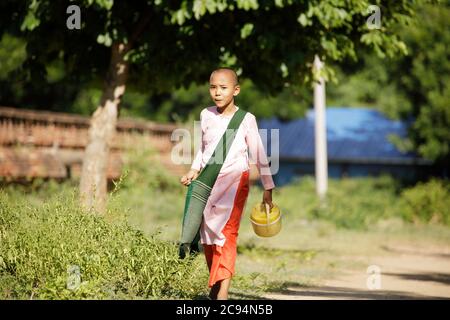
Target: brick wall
x=51 y=145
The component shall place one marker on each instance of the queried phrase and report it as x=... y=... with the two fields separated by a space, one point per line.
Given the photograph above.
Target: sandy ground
x=403 y=273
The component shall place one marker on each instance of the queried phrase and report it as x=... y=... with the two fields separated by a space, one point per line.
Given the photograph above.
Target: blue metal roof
x=355 y=134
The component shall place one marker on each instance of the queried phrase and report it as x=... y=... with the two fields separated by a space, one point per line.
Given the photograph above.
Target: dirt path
x=404 y=273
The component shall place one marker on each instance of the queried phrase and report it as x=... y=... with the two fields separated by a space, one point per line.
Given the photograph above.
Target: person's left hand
x=267 y=198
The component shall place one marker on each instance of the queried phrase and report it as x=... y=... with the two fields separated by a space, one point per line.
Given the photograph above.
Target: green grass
x=130 y=253
x=42 y=243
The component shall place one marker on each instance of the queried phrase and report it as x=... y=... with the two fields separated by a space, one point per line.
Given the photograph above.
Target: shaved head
x=229 y=73
x=223 y=87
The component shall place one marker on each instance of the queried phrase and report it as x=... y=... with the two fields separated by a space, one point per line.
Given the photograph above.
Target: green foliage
x=153 y=197
x=364 y=202
x=12 y=54
x=290 y=103
x=86 y=101
x=252 y=250
x=276 y=261
x=430 y=51
x=143 y=169
x=41 y=243
x=351 y=203
x=428 y=203
x=31 y=20
x=415 y=87
x=271 y=43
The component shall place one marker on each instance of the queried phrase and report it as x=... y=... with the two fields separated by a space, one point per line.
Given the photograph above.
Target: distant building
x=358 y=144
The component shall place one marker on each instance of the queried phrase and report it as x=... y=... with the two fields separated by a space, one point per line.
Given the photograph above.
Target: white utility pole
x=320 y=132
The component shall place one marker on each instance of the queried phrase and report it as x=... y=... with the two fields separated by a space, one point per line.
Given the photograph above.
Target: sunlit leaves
x=246 y=30
x=247 y=4
x=31 y=21
x=284 y=70
x=104 y=39
x=330 y=14
x=200 y=7
x=107 y=4
x=304 y=20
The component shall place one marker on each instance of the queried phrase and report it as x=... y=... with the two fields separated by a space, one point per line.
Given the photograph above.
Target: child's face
x=223 y=88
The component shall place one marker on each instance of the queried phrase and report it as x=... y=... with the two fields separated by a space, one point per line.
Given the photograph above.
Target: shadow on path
x=442 y=278
x=295 y=291
x=416 y=252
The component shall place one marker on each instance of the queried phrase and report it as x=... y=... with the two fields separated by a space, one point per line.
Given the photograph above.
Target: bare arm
x=258 y=156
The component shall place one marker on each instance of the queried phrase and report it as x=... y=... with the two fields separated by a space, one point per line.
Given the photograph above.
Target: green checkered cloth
x=200 y=189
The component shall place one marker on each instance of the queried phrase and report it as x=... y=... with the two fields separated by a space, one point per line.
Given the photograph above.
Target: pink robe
x=220 y=204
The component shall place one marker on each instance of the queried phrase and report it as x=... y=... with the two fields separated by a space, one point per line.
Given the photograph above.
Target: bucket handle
x=267 y=213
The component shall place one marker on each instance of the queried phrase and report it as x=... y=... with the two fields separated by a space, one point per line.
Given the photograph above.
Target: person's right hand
x=188 y=177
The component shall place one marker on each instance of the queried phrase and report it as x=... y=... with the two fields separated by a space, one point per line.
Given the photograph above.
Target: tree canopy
x=175 y=43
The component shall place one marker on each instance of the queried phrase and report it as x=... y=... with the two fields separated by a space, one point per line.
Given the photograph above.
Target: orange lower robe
x=221 y=260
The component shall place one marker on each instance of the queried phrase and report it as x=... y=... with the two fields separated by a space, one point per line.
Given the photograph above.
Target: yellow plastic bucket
x=266 y=222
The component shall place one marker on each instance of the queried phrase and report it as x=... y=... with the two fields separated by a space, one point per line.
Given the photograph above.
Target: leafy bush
x=359 y=203
x=143 y=169
x=43 y=246
x=355 y=203
x=427 y=203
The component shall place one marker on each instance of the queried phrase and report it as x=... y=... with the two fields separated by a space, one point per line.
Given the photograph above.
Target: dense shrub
x=143 y=169
x=43 y=246
x=355 y=203
x=427 y=203
x=359 y=203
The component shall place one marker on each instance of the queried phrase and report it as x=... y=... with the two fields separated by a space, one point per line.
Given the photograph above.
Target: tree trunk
x=93 y=181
